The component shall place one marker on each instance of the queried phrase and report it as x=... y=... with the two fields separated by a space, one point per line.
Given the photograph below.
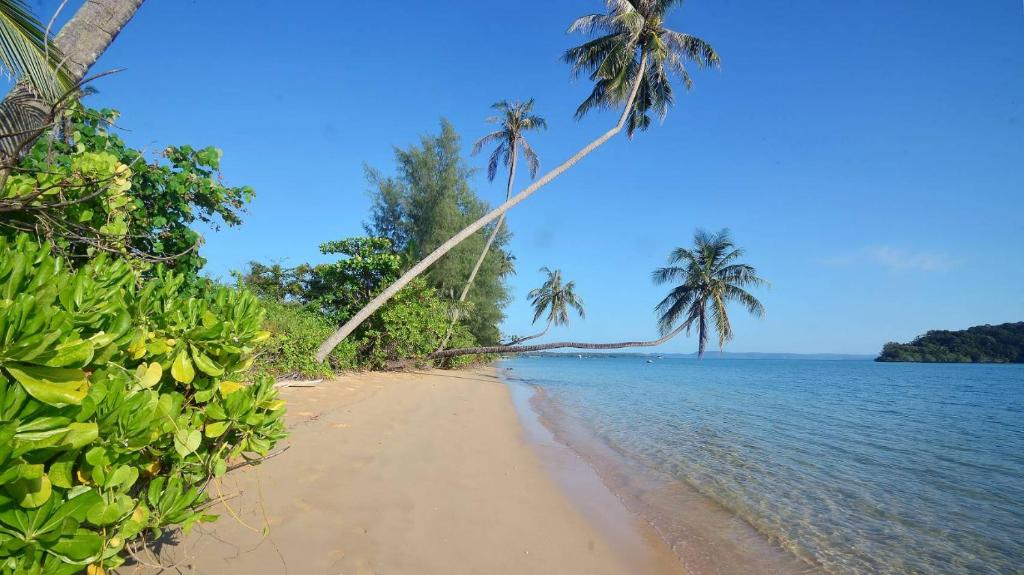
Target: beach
x=426 y=472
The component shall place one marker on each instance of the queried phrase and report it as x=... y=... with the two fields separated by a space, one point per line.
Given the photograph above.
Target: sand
x=418 y=473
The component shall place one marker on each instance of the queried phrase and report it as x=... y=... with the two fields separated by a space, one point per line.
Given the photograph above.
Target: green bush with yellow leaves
x=121 y=397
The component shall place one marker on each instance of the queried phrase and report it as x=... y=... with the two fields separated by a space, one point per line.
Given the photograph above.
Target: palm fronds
x=709 y=281
x=515 y=118
x=26 y=52
x=632 y=32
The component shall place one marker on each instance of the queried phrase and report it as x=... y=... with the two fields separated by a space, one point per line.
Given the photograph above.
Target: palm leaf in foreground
x=26 y=52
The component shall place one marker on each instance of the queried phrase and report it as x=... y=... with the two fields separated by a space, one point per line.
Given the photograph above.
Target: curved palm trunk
x=24 y=116
x=483 y=254
x=384 y=296
x=546 y=346
x=529 y=337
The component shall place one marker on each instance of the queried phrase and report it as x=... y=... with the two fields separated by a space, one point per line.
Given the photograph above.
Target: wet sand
x=419 y=473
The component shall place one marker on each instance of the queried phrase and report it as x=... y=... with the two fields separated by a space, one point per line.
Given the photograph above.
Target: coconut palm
x=27 y=111
x=515 y=118
x=556 y=299
x=711 y=277
x=634 y=44
x=632 y=55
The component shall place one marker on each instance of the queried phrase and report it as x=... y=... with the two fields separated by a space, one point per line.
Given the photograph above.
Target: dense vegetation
x=1002 y=343
x=120 y=399
x=425 y=202
x=126 y=385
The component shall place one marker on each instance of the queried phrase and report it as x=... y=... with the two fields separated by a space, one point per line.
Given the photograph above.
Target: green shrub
x=296 y=332
x=411 y=325
x=119 y=400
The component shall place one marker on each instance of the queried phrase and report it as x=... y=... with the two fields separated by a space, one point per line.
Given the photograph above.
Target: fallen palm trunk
x=502 y=349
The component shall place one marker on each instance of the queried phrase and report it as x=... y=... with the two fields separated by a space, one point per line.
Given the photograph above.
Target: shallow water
x=852 y=466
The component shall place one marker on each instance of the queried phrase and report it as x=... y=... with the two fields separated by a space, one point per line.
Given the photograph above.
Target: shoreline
x=418 y=472
x=703 y=535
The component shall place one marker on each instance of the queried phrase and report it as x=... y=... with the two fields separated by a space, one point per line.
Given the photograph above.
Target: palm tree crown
x=556 y=298
x=515 y=118
x=634 y=40
x=711 y=278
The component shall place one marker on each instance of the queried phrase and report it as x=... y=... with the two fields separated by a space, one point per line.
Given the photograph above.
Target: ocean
x=845 y=467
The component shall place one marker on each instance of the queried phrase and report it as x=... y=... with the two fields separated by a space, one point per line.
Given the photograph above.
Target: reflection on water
x=856 y=467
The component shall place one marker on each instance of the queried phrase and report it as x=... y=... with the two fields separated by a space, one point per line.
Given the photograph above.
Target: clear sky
x=868 y=155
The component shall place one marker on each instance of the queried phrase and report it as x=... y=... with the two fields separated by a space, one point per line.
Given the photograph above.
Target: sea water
x=850 y=466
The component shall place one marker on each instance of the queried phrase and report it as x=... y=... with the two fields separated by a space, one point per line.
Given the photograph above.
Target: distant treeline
x=1002 y=343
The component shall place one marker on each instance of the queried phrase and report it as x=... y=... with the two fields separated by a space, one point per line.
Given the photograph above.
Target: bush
x=119 y=400
x=296 y=333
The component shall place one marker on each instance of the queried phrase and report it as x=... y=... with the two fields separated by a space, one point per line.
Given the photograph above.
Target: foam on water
x=850 y=466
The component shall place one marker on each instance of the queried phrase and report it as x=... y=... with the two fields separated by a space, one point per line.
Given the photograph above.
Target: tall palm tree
x=25 y=113
x=711 y=277
x=632 y=55
x=634 y=44
x=556 y=299
x=515 y=118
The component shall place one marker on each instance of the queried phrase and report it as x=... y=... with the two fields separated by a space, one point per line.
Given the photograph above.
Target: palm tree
x=26 y=112
x=515 y=118
x=632 y=58
x=711 y=278
x=27 y=53
x=637 y=52
x=555 y=298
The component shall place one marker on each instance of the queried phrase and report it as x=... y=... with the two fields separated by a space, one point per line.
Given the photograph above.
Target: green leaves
x=91 y=430
x=51 y=385
x=181 y=368
x=187 y=442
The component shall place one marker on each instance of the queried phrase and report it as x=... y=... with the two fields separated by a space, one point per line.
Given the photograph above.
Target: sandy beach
x=426 y=473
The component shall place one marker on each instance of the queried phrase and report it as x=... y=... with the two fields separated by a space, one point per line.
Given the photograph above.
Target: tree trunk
x=384 y=296
x=529 y=337
x=24 y=116
x=545 y=346
x=483 y=254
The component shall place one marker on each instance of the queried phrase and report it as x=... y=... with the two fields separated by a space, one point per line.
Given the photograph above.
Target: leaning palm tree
x=27 y=111
x=514 y=118
x=556 y=299
x=711 y=278
x=630 y=64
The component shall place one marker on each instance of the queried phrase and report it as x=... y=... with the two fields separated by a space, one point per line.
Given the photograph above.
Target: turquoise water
x=855 y=466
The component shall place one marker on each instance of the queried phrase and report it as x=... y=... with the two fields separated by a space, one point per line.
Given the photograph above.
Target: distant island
x=1002 y=343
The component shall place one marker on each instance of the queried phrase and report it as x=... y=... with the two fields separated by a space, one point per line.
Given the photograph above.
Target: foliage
x=556 y=298
x=633 y=34
x=340 y=288
x=411 y=325
x=514 y=118
x=1002 y=343
x=308 y=302
x=296 y=332
x=86 y=191
x=27 y=53
x=426 y=203
x=275 y=282
x=119 y=400
x=711 y=278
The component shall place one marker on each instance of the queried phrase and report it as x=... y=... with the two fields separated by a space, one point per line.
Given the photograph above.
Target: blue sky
x=868 y=155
